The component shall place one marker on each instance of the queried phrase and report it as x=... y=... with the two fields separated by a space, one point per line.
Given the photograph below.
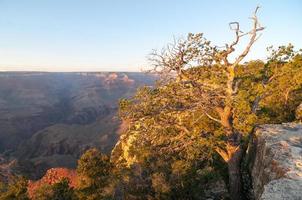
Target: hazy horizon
x=7 y=69
x=37 y=71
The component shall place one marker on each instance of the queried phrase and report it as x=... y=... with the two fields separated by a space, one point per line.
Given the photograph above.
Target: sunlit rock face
x=49 y=119
x=275 y=156
x=52 y=176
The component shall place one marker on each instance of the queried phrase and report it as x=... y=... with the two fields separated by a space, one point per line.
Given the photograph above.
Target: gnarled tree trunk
x=235 y=185
x=233 y=152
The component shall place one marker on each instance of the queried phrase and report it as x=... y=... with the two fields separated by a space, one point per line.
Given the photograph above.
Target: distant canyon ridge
x=49 y=119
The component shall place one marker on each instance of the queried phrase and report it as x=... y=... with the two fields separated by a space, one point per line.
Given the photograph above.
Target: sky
x=118 y=35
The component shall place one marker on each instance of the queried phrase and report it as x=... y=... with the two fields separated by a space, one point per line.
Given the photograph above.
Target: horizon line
x=44 y=71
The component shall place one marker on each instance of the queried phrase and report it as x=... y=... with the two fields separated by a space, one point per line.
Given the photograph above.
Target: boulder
x=275 y=161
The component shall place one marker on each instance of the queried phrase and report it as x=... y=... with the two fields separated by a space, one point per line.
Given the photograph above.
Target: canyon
x=49 y=119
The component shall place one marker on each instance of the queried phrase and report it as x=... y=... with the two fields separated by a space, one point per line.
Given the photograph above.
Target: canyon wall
x=49 y=119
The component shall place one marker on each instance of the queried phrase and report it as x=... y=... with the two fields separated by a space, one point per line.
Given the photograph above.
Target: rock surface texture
x=52 y=176
x=275 y=157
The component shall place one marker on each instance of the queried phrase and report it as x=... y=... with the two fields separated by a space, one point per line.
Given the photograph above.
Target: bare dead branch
x=212 y=118
x=256 y=28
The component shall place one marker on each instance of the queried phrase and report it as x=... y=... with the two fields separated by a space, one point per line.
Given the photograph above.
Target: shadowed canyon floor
x=49 y=119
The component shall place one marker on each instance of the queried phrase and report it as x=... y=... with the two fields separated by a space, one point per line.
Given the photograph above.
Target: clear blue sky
x=117 y=35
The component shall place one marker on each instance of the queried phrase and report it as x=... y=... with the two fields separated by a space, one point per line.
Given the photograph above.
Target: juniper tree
x=17 y=189
x=206 y=102
x=94 y=170
x=62 y=191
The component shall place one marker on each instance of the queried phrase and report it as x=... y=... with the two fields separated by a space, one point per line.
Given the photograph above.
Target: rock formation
x=49 y=119
x=6 y=169
x=275 y=158
x=53 y=176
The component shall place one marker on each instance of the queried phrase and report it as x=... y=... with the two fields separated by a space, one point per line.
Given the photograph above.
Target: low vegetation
x=191 y=129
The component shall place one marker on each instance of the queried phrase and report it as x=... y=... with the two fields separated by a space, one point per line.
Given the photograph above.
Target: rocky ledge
x=275 y=158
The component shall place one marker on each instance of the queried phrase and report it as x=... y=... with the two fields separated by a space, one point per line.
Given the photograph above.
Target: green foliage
x=94 y=170
x=170 y=146
x=17 y=190
x=44 y=192
x=62 y=191
x=173 y=146
x=3 y=187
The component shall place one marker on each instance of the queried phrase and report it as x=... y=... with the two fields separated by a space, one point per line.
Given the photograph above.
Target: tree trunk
x=235 y=185
x=234 y=152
